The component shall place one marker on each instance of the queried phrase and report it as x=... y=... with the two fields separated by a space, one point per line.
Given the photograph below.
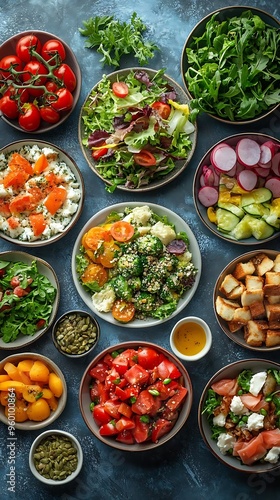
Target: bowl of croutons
x=246 y=300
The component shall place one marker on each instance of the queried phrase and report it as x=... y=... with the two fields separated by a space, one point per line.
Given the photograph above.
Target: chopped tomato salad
x=136 y=394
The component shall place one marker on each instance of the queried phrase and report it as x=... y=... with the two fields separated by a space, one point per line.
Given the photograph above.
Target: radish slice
x=248 y=152
x=208 y=176
x=266 y=154
x=264 y=165
x=208 y=196
x=232 y=172
x=247 y=179
x=275 y=164
x=201 y=180
x=272 y=146
x=273 y=184
x=262 y=172
x=223 y=157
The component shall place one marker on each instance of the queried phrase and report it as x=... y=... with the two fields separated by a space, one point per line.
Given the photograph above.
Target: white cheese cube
x=256 y=383
x=255 y=422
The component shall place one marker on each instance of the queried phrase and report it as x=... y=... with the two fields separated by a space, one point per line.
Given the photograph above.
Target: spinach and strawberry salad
x=135 y=128
x=135 y=265
x=244 y=416
x=26 y=299
x=136 y=395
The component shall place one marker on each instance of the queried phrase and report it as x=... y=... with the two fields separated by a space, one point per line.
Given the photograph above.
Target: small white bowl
x=35 y=444
x=199 y=323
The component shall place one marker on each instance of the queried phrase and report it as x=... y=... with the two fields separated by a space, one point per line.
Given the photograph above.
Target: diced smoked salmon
x=20 y=203
x=271 y=438
x=41 y=164
x=55 y=199
x=15 y=179
x=38 y=223
x=13 y=222
x=4 y=208
x=250 y=401
x=225 y=387
x=18 y=162
x=237 y=447
x=253 y=451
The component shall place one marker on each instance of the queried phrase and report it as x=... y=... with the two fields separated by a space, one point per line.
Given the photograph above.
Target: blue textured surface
x=182 y=468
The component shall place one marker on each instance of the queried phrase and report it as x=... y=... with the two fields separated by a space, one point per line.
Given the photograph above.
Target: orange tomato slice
x=122 y=231
x=123 y=311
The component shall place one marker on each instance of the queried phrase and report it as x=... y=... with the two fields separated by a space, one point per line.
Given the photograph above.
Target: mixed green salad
x=136 y=129
x=233 y=67
x=135 y=265
x=26 y=299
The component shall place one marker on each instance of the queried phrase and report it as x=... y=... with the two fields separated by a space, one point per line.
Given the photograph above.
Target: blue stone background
x=183 y=468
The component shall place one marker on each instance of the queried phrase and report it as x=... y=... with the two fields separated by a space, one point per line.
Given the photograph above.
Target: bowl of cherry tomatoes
x=40 y=81
x=135 y=396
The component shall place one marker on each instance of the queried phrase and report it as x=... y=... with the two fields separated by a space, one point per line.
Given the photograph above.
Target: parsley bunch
x=114 y=39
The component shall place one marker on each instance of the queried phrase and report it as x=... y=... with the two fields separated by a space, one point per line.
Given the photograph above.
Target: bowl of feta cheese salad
x=239 y=415
x=136 y=265
x=136 y=130
x=41 y=193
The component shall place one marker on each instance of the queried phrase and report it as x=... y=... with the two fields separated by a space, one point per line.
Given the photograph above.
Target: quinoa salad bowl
x=41 y=193
x=136 y=265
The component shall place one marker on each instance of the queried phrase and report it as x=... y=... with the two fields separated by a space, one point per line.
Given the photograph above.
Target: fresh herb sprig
x=113 y=39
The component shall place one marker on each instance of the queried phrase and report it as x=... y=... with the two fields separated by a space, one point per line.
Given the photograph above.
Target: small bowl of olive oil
x=190 y=338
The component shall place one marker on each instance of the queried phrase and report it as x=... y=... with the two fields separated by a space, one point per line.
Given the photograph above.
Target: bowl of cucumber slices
x=236 y=188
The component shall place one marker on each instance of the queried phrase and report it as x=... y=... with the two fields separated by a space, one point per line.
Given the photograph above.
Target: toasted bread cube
x=225 y=308
x=234 y=326
x=276 y=266
x=272 y=311
x=274 y=325
x=237 y=292
x=273 y=299
x=242 y=315
x=263 y=264
x=253 y=282
x=272 y=278
x=242 y=269
x=272 y=338
x=255 y=332
x=271 y=290
x=257 y=310
x=250 y=296
x=228 y=284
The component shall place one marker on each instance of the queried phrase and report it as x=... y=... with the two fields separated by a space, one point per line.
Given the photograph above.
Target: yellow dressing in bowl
x=189 y=338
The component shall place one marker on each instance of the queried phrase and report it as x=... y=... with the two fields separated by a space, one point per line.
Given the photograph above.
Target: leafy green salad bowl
x=230 y=65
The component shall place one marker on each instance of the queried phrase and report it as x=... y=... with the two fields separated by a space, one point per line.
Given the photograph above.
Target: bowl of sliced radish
x=236 y=188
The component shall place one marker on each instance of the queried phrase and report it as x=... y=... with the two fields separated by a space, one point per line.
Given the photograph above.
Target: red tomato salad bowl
x=135 y=396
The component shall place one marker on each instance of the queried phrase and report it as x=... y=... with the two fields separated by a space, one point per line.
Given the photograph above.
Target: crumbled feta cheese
x=185 y=257
x=219 y=420
x=273 y=455
x=103 y=300
x=255 y=422
x=256 y=383
x=165 y=233
x=237 y=407
x=225 y=442
x=139 y=215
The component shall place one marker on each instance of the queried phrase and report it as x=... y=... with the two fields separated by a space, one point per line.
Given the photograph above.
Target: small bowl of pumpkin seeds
x=55 y=457
x=75 y=333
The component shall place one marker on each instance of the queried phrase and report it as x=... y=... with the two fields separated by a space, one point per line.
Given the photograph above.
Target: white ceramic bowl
x=197 y=184
x=31 y=425
x=180 y=165
x=45 y=269
x=200 y=324
x=180 y=225
x=85 y=400
x=63 y=157
x=238 y=336
x=8 y=47
x=230 y=372
x=57 y=433
x=221 y=15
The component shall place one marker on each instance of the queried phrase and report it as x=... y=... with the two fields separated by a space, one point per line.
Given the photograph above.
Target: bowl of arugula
x=135 y=130
x=230 y=65
x=29 y=298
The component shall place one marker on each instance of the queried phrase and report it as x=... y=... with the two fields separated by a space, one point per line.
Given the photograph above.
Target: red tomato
x=8 y=63
x=30 y=117
x=144 y=403
x=51 y=86
x=100 y=415
x=125 y=437
x=99 y=371
x=141 y=430
x=148 y=357
x=108 y=359
x=49 y=114
x=64 y=100
x=144 y=158
x=126 y=393
x=125 y=410
x=21 y=95
x=98 y=153
x=25 y=45
x=162 y=108
x=53 y=51
x=167 y=369
x=67 y=76
x=9 y=107
x=121 y=364
x=41 y=323
x=34 y=72
x=161 y=428
x=136 y=375
x=120 y=89
x=108 y=429
x=123 y=311
x=175 y=401
x=122 y=231
x=124 y=423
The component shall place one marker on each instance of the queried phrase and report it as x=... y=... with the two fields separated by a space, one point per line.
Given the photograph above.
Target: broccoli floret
x=121 y=288
x=167 y=264
x=144 y=302
x=182 y=279
x=168 y=295
x=149 y=245
x=130 y=265
x=165 y=310
x=134 y=283
x=151 y=283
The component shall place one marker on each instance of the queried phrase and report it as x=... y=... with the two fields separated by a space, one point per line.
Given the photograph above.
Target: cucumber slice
x=259 y=195
x=272 y=220
x=261 y=230
x=226 y=221
x=257 y=209
x=243 y=229
x=239 y=212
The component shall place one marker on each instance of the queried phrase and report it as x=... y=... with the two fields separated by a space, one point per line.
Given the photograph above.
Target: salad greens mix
x=233 y=67
x=26 y=299
x=139 y=137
